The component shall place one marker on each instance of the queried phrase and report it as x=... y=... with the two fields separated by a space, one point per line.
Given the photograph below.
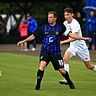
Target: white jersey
x=74 y=26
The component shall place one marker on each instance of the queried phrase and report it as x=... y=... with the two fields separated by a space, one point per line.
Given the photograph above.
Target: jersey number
x=61 y=62
x=51 y=39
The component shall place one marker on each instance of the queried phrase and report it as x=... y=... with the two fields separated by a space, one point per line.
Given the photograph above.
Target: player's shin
x=71 y=85
x=39 y=79
x=64 y=81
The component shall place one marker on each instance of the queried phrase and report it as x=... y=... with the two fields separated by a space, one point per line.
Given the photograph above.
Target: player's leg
x=85 y=56
x=67 y=56
x=40 y=74
x=90 y=66
x=58 y=64
x=28 y=45
x=44 y=60
x=34 y=45
x=66 y=76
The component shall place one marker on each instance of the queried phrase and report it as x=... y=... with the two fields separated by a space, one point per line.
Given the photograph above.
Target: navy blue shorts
x=56 y=59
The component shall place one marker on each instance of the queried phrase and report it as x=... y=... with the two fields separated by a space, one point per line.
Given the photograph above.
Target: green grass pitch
x=19 y=78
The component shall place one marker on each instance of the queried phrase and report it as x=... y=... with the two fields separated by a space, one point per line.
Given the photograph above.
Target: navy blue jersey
x=51 y=38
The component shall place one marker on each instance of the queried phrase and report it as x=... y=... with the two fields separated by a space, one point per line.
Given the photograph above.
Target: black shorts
x=56 y=59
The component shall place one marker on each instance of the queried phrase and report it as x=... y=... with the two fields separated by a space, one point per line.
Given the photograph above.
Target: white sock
x=66 y=67
x=94 y=69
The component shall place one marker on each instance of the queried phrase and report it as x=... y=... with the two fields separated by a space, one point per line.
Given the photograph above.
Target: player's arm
x=73 y=37
x=31 y=37
x=67 y=40
x=78 y=37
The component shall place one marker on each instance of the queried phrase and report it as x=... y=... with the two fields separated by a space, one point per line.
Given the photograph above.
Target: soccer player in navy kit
x=50 y=49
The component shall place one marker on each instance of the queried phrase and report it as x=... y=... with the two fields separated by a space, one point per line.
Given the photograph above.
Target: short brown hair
x=54 y=13
x=68 y=10
x=28 y=15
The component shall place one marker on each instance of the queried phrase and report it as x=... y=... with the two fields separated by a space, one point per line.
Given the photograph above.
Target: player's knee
x=65 y=60
x=42 y=65
x=61 y=70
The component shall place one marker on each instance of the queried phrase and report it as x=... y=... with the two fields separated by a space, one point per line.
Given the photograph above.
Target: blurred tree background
x=38 y=10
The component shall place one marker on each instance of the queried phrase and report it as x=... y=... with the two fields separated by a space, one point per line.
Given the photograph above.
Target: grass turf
x=19 y=78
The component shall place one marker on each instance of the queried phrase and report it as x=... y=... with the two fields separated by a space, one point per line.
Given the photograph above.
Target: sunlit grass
x=19 y=78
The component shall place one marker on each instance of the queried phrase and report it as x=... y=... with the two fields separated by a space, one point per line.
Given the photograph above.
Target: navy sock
x=39 y=77
x=66 y=76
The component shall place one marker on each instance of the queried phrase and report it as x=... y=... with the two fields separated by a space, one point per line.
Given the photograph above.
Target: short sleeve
x=68 y=29
x=75 y=27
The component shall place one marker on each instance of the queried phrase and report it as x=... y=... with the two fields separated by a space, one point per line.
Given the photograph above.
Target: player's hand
x=61 y=42
x=21 y=43
x=89 y=39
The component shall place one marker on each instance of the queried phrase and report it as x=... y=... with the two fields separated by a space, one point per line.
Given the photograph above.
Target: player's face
x=51 y=19
x=92 y=13
x=68 y=16
x=28 y=17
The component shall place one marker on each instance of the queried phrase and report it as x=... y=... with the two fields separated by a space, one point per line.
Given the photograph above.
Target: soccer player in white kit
x=77 y=47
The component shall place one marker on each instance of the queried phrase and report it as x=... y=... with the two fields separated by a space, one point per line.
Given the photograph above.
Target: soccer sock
x=71 y=85
x=66 y=67
x=66 y=76
x=39 y=77
x=94 y=69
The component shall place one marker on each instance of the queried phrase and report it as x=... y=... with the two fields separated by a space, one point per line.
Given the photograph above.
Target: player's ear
x=55 y=18
x=72 y=14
